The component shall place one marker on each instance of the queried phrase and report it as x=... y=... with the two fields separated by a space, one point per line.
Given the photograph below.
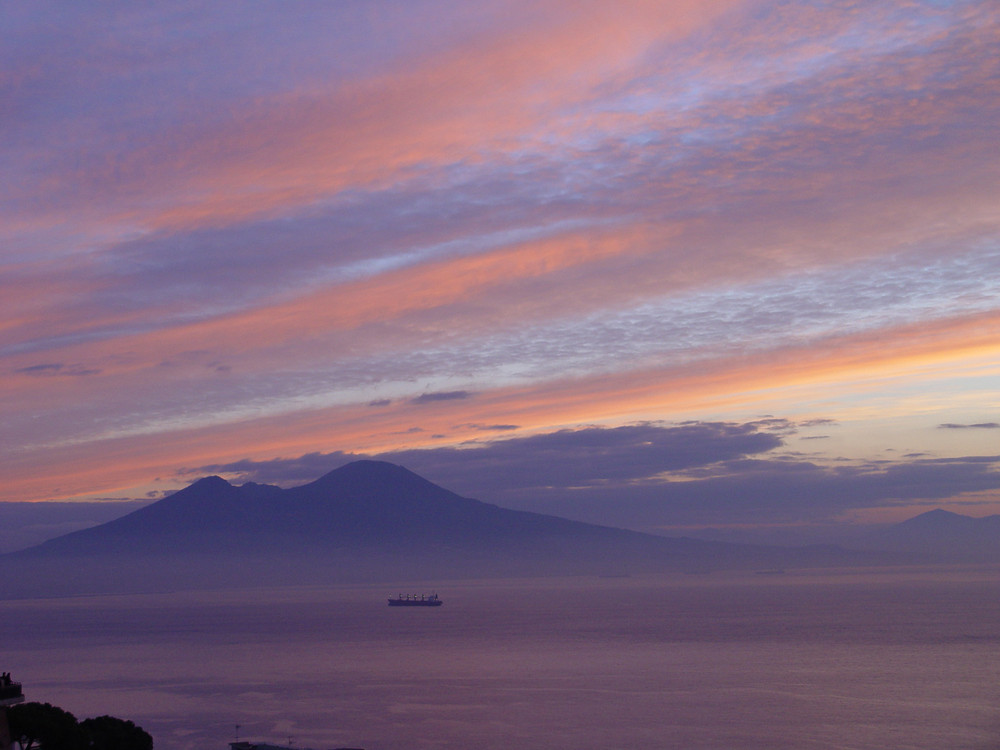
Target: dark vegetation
x=42 y=725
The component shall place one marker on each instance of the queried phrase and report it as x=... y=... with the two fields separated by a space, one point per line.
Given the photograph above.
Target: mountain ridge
x=365 y=502
x=366 y=521
x=940 y=535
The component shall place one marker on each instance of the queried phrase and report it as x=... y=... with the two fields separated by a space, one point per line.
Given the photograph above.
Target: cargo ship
x=413 y=600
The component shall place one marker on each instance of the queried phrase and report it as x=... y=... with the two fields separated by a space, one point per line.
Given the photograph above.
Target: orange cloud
x=873 y=155
x=845 y=365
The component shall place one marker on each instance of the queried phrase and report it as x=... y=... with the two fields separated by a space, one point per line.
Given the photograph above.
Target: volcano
x=366 y=521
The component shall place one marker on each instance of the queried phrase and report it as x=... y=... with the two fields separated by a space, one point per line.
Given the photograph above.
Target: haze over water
x=801 y=660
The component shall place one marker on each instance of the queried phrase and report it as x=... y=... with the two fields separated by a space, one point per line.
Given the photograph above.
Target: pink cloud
x=222 y=235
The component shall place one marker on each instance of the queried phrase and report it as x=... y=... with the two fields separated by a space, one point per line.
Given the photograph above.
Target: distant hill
x=941 y=536
x=366 y=521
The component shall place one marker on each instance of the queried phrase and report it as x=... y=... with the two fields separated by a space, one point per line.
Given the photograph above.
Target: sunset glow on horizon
x=261 y=240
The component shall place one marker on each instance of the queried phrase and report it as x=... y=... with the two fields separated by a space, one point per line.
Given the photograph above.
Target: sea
x=796 y=660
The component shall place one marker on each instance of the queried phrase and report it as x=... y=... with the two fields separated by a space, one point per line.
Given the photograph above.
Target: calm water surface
x=795 y=661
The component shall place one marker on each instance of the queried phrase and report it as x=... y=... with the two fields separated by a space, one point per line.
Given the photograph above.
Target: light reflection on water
x=769 y=662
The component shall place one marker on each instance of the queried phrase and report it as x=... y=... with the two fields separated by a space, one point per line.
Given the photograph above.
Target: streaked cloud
x=53 y=369
x=430 y=398
x=979 y=426
x=268 y=232
x=655 y=476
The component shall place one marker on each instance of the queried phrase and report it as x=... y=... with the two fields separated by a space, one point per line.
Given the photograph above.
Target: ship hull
x=402 y=601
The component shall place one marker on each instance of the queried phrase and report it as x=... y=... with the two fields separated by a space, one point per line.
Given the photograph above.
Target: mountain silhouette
x=361 y=505
x=366 y=521
x=941 y=536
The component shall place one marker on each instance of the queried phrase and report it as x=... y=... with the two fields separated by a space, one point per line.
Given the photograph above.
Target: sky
x=657 y=265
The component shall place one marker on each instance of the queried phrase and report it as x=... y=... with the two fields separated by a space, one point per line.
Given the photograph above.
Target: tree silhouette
x=110 y=733
x=42 y=726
